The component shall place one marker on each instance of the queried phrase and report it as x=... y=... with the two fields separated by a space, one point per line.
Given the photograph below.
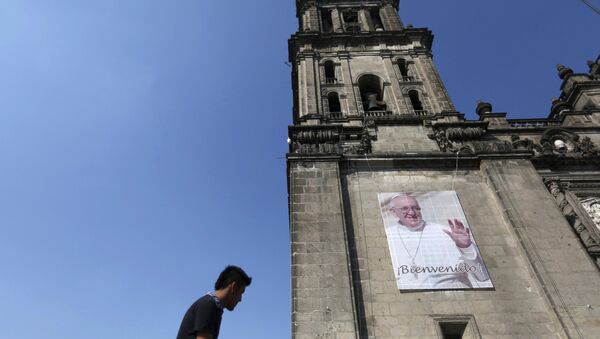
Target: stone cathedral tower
x=376 y=140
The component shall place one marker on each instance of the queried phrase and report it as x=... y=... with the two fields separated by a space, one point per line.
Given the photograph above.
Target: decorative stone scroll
x=450 y=138
x=582 y=215
x=320 y=140
x=467 y=139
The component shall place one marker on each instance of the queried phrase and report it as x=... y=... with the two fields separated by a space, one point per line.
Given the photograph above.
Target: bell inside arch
x=372 y=104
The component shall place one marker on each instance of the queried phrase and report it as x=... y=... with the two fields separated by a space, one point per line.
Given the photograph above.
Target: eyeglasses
x=406 y=209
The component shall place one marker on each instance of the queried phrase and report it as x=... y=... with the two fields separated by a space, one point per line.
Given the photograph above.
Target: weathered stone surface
x=398 y=131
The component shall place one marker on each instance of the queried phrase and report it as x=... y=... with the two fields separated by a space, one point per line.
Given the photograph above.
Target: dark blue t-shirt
x=202 y=316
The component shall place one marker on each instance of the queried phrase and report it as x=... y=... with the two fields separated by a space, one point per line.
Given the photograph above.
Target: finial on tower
x=483 y=107
x=563 y=71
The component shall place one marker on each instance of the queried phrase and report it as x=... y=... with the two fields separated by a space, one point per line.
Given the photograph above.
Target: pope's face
x=407 y=210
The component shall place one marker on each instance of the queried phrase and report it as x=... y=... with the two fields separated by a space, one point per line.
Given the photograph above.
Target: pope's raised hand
x=459 y=233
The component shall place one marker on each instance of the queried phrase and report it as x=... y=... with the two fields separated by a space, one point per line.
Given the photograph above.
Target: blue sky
x=142 y=147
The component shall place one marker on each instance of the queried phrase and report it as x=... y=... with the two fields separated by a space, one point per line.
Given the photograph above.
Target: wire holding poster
x=430 y=241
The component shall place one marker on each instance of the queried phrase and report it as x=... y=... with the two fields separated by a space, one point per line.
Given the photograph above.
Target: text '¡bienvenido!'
x=458 y=268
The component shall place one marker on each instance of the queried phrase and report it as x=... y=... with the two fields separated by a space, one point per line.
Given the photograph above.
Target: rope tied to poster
x=455 y=170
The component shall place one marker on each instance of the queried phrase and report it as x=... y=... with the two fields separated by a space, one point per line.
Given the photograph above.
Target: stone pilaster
x=399 y=106
x=568 y=278
x=440 y=100
x=347 y=79
x=390 y=18
x=322 y=297
x=336 y=20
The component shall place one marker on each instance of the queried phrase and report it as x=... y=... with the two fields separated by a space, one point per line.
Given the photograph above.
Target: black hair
x=230 y=274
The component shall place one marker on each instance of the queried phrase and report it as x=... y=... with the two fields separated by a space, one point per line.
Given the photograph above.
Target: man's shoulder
x=205 y=301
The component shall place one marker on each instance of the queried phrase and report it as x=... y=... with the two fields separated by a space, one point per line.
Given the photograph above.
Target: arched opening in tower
x=371 y=92
x=351 y=23
x=376 y=19
x=326 y=20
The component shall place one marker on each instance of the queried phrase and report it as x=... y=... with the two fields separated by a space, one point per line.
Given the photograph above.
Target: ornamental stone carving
x=442 y=140
x=464 y=134
x=588 y=232
x=467 y=140
x=366 y=138
x=325 y=140
x=558 y=142
x=592 y=207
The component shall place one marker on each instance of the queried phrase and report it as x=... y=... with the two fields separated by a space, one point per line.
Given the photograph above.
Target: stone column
x=309 y=86
x=336 y=20
x=322 y=296
x=311 y=19
x=364 y=18
x=398 y=105
x=301 y=87
x=440 y=100
x=347 y=80
x=390 y=18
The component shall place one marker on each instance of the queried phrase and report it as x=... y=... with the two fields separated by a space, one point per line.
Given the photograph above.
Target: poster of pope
x=431 y=244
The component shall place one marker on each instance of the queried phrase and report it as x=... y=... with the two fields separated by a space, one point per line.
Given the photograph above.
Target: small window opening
x=334 y=102
x=376 y=19
x=453 y=330
x=402 y=67
x=415 y=101
x=330 y=72
x=351 y=21
x=326 y=20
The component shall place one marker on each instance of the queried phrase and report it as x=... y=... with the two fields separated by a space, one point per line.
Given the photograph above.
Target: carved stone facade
x=371 y=115
x=592 y=207
x=583 y=214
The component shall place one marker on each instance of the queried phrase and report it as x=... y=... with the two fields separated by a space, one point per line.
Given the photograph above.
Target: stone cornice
x=302 y=5
x=403 y=37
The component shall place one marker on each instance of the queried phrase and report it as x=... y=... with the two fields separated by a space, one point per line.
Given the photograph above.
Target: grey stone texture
x=516 y=307
x=389 y=17
x=403 y=139
x=322 y=305
x=519 y=182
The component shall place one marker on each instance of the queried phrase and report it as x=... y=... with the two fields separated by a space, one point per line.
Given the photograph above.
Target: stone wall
x=321 y=290
x=516 y=307
x=403 y=139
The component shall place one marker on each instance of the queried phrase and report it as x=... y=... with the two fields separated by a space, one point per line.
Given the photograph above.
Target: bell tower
x=353 y=59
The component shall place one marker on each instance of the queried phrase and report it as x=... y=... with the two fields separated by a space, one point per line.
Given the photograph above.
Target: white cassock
x=425 y=257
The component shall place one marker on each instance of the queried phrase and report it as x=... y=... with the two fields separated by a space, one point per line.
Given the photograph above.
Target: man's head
x=407 y=210
x=230 y=286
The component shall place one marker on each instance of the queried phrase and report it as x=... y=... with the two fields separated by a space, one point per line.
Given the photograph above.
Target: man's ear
x=233 y=286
